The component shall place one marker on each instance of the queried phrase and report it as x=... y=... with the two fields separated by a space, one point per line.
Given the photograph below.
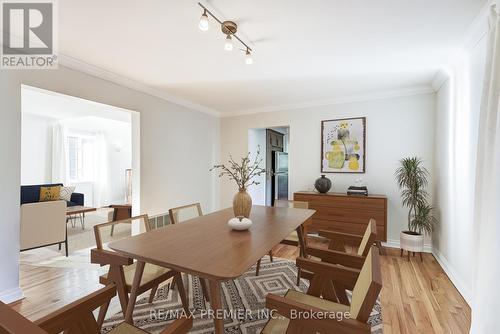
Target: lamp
x=248 y=57
x=203 y=25
x=228 y=45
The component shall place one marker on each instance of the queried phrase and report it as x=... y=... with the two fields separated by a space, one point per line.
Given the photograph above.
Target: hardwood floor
x=416 y=297
x=48 y=289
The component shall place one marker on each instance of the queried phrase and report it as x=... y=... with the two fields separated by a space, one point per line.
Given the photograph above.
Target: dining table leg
x=139 y=269
x=216 y=304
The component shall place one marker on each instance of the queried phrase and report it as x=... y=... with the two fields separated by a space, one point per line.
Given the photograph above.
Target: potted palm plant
x=412 y=178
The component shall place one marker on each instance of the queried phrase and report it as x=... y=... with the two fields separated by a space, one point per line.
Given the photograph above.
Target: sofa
x=31 y=194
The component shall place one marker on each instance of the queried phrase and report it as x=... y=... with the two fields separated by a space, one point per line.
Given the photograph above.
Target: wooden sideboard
x=347 y=214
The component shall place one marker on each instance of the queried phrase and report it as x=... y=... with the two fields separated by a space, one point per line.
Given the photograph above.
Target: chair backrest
x=281 y=203
x=186 y=212
x=42 y=223
x=78 y=316
x=107 y=232
x=367 y=287
x=369 y=237
x=12 y=322
x=75 y=318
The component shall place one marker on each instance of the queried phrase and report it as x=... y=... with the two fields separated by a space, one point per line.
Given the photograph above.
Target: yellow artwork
x=343 y=145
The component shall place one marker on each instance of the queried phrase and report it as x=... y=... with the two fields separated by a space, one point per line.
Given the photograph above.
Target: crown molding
x=381 y=95
x=478 y=28
x=439 y=79
x=473 y=35
x=101 y=73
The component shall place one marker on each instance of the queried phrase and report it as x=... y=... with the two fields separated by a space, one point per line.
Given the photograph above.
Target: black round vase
x=323 y=184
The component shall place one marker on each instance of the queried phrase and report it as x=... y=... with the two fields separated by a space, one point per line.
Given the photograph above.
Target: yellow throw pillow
x=49 y=193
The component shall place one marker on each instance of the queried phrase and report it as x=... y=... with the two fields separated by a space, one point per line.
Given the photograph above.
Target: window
x=81 y=158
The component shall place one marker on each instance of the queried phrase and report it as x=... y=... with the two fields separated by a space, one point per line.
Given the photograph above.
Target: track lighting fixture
x=228 y=28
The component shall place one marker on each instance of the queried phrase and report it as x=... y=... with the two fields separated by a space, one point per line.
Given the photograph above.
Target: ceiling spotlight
x=228 y=45
x=203 y=21
x=248 y=57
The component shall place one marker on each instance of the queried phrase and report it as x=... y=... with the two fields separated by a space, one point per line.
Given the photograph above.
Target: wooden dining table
x=208 y=248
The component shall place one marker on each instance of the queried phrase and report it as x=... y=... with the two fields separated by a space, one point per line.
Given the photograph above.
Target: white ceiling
x=305 y=51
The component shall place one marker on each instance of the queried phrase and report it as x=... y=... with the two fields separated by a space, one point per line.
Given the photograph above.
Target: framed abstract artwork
x=343 y=145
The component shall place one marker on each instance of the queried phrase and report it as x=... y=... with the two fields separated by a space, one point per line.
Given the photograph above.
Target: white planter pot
x=411 y=242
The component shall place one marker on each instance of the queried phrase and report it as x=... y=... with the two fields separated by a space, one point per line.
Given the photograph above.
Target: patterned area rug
x=244 y=299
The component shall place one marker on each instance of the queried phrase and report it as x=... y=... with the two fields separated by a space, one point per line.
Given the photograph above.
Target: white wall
x=178 y=146
x=119 y=141
x=395 y=128
x=256 y=138
x=36 y=146
x=457 y=117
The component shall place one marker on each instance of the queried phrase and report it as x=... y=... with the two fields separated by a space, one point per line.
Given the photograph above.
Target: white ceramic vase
x=239 y=223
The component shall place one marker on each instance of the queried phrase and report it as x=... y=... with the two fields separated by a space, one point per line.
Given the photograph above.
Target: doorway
x=88 y=149
x=272 y=143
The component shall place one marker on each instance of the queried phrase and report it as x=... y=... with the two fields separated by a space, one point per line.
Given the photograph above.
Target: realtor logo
x=28 y=35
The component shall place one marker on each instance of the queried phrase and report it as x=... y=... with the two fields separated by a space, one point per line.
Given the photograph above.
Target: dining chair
x=293 y=238
x=349 y=318
x=340 y=241
x=185 y=212
x=181 y=214
x=78 y=318
x=122 y=269
x=337 y=253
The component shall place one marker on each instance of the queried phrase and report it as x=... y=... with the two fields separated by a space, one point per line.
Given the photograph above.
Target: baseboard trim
x=394 y=243
x=12 y=295
x=452 y=275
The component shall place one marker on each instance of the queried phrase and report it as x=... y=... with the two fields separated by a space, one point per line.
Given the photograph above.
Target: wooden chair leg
x=182 y=291
x=258 y=268
x=152 y=294
x=102 y=314
x=117 y=275
x=271 y=255
x=134 y=292
x=401 y=252
x=421 y=259
x=298 y=276
x=204 y=289
x=408 y=255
